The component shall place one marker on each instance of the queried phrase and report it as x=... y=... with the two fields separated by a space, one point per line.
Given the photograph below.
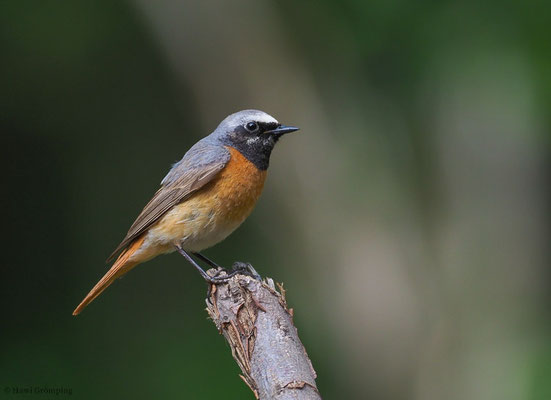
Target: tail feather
x=119 y=268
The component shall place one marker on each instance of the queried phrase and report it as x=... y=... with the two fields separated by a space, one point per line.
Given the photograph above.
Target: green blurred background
x=408 y=219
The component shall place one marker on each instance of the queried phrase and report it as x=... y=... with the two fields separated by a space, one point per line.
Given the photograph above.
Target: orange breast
x=238 y=185
x=213 y=212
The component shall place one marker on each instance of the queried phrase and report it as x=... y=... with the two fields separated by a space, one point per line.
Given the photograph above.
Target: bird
x=204 y=197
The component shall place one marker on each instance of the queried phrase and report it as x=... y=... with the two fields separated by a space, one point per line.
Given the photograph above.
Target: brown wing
x=198 y=167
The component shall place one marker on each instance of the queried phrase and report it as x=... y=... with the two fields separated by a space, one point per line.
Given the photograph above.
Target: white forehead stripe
x=264 y=118
x=250 y=115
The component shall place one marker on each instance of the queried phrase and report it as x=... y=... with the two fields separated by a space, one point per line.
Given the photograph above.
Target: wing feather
x=198 y=167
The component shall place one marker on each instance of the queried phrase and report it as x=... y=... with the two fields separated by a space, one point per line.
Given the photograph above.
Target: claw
x=246 y=269
x=237 y=268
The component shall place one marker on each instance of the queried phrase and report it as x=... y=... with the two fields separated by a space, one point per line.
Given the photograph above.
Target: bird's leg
x=207 y=260
x=206 y=277
x=237 y=267
x=211 y=263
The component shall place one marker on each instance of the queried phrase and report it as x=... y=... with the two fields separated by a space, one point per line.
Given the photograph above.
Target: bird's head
x=253 y=133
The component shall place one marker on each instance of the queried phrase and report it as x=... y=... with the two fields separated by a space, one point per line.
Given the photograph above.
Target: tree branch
x=254 y=318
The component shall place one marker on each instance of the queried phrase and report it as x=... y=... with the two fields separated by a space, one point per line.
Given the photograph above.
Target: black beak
x=282 y=130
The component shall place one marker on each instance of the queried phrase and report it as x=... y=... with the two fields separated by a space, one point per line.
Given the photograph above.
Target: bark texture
x=254 y=318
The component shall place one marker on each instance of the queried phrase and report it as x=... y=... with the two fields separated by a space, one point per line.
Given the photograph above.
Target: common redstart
x=203 y=198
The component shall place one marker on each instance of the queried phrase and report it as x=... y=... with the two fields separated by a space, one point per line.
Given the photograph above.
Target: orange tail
x=119 y=268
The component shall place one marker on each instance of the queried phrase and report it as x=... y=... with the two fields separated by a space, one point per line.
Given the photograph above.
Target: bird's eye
x=251 y=126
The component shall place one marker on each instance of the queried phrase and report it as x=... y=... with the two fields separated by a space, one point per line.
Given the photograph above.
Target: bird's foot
x=221 y=275
x=245 y=269
x=238 y=267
